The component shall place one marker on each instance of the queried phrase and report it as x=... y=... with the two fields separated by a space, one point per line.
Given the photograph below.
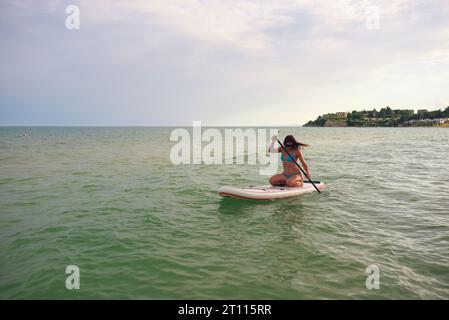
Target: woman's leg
x=278 y=179
x=295 y=181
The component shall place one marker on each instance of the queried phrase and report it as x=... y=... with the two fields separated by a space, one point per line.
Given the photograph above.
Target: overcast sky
x=163 y=62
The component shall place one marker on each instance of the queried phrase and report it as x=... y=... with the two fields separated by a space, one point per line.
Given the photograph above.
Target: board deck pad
x=269 y=192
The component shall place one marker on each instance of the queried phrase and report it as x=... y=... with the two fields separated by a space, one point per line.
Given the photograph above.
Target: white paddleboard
x=269 y=192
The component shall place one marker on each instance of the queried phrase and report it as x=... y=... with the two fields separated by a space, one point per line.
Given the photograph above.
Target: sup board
x=269 y=192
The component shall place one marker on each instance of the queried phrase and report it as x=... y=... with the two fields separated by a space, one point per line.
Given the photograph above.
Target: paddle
x=299 y=166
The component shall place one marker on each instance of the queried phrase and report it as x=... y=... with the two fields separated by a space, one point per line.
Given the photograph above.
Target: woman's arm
x=271 y=148
x=304 y=164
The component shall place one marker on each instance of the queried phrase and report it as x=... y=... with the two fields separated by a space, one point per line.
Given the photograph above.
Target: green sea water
x=109 y=201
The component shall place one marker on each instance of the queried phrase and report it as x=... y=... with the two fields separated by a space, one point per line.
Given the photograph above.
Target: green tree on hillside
x=385 y=117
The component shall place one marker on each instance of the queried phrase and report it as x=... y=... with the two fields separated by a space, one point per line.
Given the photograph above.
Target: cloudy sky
x=229 y=62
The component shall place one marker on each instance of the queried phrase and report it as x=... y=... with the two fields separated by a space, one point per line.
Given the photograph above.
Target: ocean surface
x=110 y=201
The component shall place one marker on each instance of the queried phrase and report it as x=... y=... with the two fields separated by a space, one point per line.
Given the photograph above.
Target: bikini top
x=289 y=158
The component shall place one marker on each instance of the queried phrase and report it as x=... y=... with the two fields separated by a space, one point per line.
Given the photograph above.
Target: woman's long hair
x=291 y=142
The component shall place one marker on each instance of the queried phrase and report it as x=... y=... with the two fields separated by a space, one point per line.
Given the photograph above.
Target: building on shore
x=421 y=111
x=335 y=116
x=341 y=115
x=429 y=122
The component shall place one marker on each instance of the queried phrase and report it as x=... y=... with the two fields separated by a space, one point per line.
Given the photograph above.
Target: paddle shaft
x=299 y=166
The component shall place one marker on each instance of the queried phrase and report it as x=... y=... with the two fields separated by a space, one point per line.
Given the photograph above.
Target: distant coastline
x=385 y=117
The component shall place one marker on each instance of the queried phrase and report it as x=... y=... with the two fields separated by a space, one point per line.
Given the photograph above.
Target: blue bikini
x=289 y=159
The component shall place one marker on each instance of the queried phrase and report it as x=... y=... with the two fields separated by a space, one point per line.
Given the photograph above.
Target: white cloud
x=237 y=24
x=245 y=24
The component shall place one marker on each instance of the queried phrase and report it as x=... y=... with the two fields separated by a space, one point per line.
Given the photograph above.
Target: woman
x=291 y=176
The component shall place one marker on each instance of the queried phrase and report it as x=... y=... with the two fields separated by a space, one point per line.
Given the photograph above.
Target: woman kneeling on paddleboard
x=291 y=176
